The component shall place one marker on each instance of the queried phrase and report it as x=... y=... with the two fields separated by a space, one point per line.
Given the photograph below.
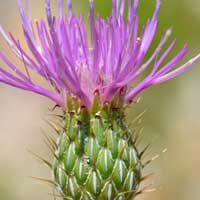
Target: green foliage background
x=172 y=119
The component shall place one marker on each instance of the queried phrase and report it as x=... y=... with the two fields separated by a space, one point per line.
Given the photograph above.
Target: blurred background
x=172 y=119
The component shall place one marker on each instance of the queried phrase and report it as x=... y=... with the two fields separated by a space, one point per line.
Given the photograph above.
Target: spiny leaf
x=56 y=195
x=153 y=158
x=138 y=117
x=60 y=117
x=145 y=191
x=138 y=135
x=55 y=126
x=43 y=180
x=133 y=103
x=144 y=150
x=51 y=149
x=126 y=192
x=54 y=107
x=150 y=160
x=144 y=178
x=50 y=140
x=47 y=163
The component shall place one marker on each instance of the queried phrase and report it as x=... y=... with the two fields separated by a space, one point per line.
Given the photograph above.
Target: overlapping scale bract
x=96 y=158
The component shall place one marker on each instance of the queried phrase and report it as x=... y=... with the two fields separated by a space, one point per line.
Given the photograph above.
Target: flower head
x=108 y=62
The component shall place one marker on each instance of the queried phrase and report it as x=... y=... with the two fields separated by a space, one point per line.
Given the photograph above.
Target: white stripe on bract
x=91 y=146
x=60 y=174
x=71 y=187
x=94 y=182
x=112 y=139
x=106 y=160
x=131 y=181
x=109 y=192
x=120 y=171
x=68 y=155
x=80 y=169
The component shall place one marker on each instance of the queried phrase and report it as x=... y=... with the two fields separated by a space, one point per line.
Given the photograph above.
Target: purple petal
x=69 y=6
x=177 y=71
x=60 y=7
x=175 y=60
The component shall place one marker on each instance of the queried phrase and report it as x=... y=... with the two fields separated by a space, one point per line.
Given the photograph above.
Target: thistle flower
x=92 y=78
x=114 y=60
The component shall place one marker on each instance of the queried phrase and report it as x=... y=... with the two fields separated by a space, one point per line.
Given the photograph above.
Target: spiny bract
x=95 y=155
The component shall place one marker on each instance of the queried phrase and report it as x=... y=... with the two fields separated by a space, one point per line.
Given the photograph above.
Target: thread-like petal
x=110 y=61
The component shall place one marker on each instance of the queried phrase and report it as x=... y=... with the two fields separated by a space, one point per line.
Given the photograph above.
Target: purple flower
x=108 y=63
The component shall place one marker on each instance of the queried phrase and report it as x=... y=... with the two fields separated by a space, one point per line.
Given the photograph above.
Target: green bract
x=96 y=157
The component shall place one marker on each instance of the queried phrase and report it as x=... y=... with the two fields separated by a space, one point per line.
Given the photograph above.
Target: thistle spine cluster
x=95 y=155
